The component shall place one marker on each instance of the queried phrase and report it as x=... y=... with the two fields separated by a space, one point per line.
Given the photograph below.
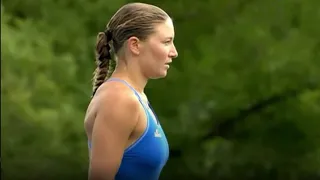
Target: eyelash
x=167 y=42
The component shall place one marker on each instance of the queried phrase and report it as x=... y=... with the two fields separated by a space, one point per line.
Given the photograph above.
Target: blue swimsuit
x=144 y=159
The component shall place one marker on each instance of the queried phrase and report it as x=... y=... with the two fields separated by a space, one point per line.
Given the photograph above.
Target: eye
x=167 y=42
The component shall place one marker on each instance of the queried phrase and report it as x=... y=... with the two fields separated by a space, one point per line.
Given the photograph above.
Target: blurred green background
x=242 y=101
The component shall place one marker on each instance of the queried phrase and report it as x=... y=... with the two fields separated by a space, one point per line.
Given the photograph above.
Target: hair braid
x=103 y=60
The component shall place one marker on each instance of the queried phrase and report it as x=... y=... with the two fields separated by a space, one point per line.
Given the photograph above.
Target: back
x=146 y=149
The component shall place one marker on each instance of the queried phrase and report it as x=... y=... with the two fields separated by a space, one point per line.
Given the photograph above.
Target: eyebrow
x=169 y=38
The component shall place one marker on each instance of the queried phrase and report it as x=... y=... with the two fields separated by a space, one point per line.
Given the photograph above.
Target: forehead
x=165 y=29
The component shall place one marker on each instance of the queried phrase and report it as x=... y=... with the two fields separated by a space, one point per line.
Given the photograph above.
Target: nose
x=173 y=53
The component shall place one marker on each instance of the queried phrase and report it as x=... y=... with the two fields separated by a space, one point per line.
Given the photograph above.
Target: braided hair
x=104 y=62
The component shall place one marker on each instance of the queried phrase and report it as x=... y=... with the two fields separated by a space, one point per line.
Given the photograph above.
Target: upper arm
x=116 y=118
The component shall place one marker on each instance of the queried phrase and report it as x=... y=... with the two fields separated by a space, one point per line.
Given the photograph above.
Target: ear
x=134 y=45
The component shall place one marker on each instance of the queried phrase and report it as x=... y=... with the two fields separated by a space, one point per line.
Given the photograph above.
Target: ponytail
x=105 y=65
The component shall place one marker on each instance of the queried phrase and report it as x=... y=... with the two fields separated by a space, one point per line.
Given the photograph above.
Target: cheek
x=160 y=53
x=154 y=57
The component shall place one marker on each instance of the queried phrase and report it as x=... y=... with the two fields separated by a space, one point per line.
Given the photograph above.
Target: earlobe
x=133 y=45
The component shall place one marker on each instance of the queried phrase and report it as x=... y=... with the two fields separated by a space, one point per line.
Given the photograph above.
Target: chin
x=159 y=75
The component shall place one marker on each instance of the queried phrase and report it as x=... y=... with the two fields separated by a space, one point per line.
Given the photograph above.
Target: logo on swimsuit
x=157 y=134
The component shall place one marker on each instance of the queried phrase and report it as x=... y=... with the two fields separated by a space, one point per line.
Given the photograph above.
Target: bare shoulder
x=117 y=103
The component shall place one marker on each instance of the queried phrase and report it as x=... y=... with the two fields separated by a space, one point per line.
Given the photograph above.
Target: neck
x=131 y=75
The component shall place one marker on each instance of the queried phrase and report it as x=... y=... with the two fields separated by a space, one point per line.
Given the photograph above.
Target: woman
x=126 y=141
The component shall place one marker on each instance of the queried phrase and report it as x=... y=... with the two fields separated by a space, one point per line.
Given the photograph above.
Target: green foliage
x=241 y=102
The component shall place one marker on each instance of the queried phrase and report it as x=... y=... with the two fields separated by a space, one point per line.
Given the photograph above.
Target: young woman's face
x=158 y=51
